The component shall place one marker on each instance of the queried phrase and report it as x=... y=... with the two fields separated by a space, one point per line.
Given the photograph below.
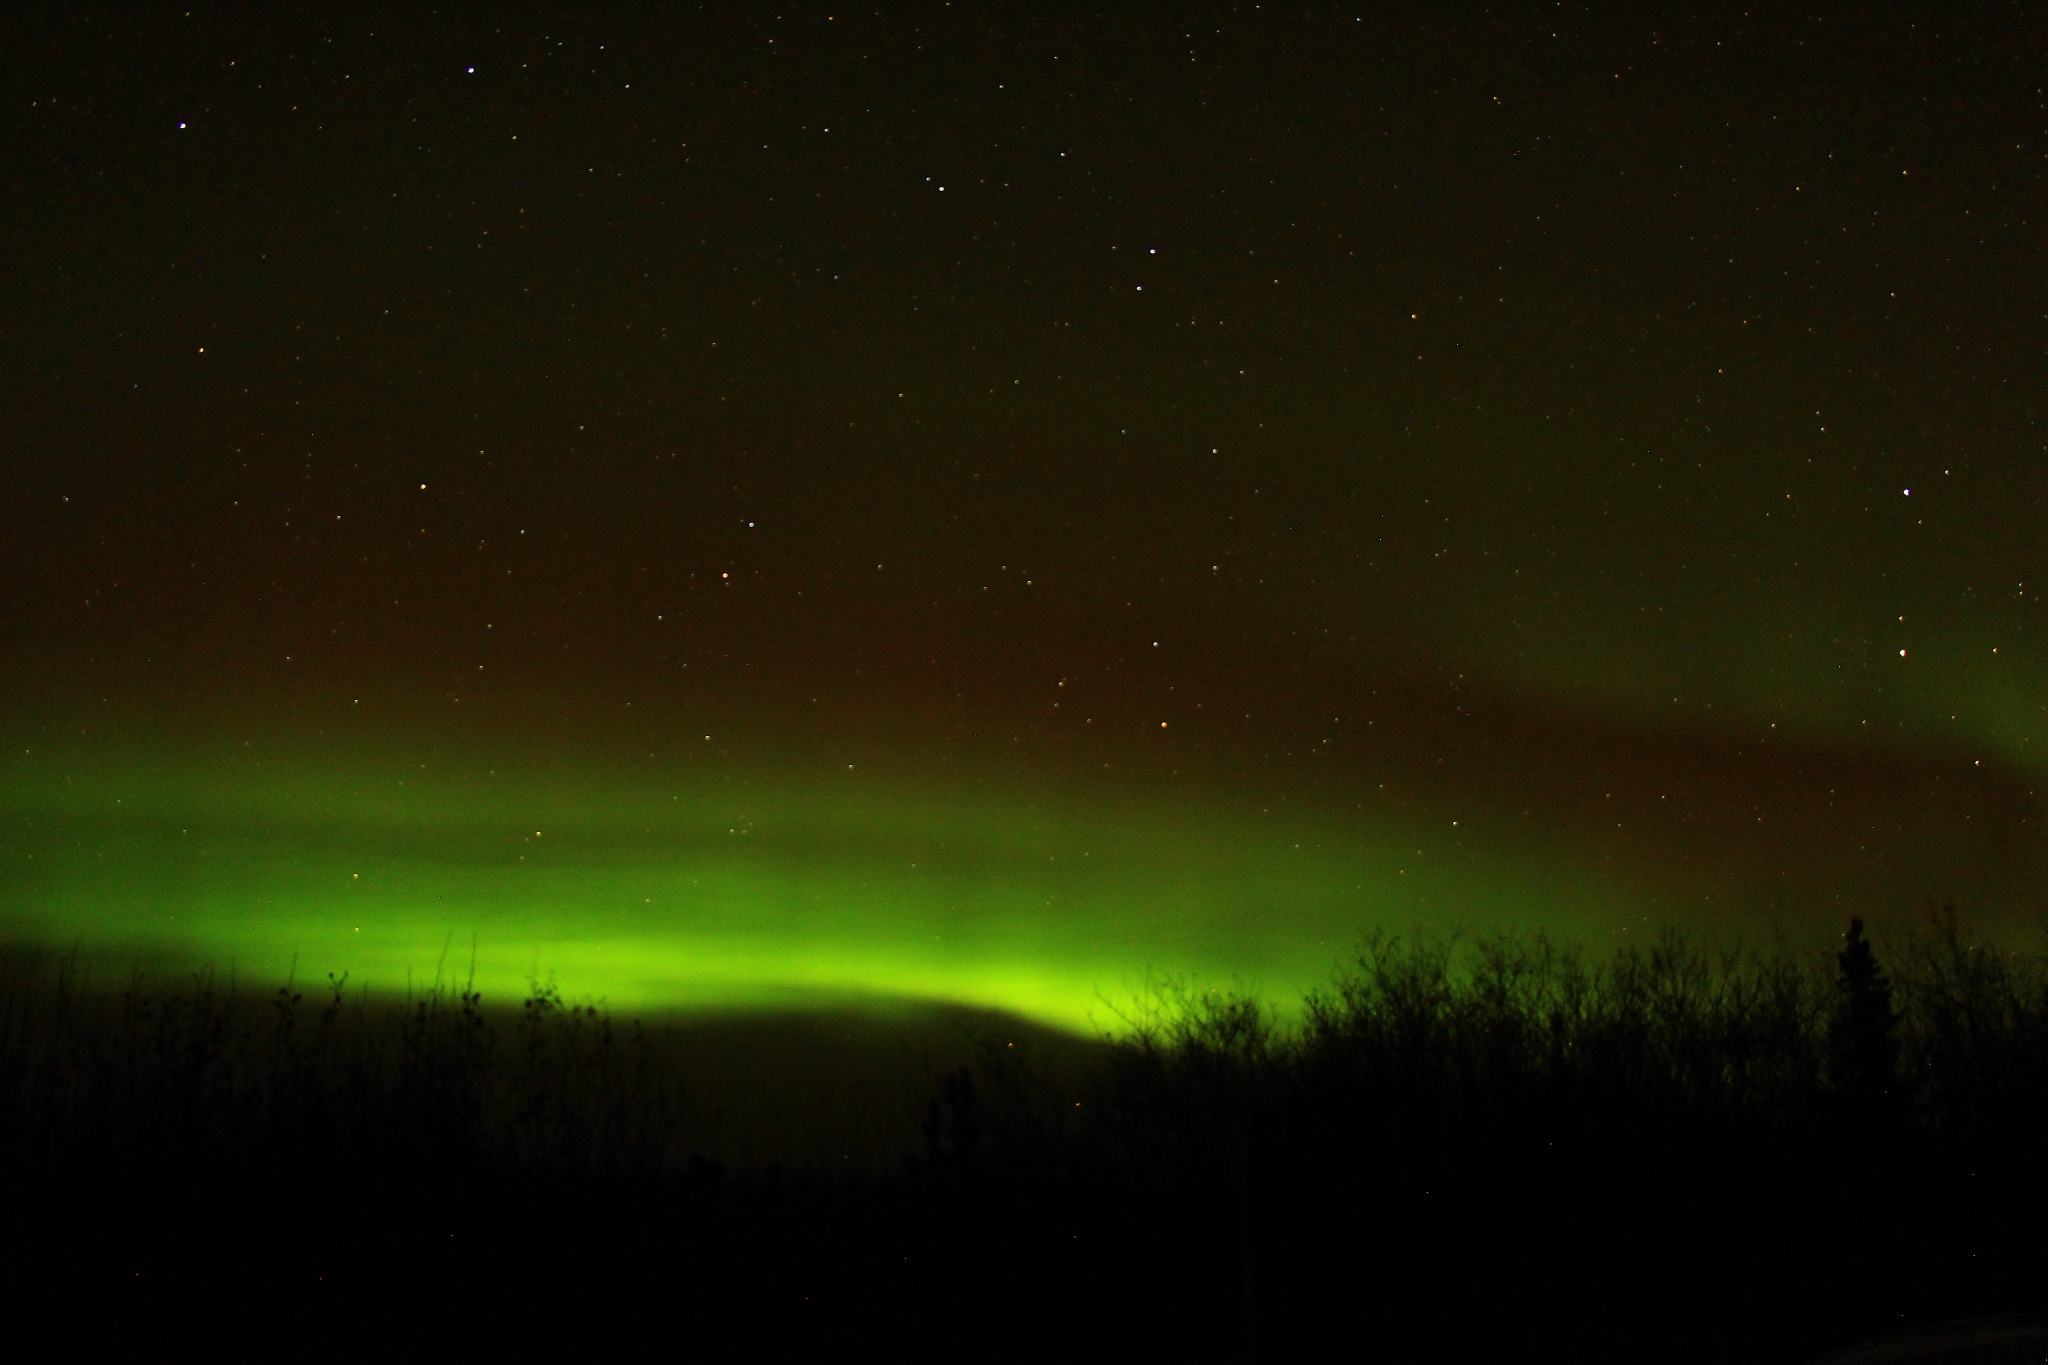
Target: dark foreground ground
x=1504 y=1153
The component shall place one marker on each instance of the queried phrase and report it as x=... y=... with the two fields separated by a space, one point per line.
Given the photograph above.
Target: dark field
x=1496 y=1149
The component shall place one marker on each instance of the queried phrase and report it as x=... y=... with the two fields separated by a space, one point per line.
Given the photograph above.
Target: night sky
x=983 y=501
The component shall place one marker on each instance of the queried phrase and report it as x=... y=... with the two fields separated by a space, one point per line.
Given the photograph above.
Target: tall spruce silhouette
x=952 y=1128
x=1863 y=1042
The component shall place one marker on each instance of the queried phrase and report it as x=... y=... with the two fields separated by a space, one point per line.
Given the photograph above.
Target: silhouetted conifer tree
x=951 y=1126
x=1863 y=1042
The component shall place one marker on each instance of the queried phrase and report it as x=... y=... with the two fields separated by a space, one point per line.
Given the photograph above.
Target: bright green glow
x=713 y=892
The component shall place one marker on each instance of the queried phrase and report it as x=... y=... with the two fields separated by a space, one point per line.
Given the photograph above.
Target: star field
x=1619 y=435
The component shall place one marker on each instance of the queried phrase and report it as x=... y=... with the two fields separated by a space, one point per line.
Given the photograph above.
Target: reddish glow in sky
x=1619 y=437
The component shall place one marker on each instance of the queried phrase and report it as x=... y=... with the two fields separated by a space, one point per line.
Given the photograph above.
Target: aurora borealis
x=985 y=502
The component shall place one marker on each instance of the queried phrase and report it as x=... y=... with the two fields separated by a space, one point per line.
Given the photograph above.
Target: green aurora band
x=722 y=894
x=1375 y=482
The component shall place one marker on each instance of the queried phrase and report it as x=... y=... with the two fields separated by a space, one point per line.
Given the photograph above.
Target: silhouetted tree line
x=1678 y=1152
x=204 y=1071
